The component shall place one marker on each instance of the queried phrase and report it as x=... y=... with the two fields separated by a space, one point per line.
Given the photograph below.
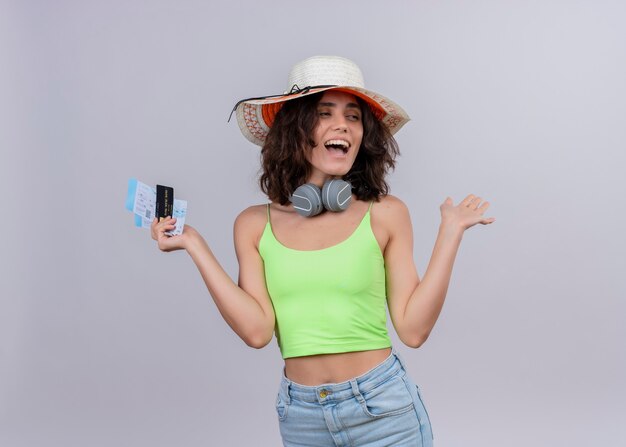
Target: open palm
x=467 y=213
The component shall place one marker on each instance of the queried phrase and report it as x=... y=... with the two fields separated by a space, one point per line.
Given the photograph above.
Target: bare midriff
x=315 y=370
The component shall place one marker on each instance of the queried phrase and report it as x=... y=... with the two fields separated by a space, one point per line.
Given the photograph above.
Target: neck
x=319 y=180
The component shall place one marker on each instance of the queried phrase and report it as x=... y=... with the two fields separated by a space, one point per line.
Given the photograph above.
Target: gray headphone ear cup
x=307 y=200
x=336 y=195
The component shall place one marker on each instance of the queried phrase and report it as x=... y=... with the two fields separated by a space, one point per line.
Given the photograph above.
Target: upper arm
x=248 y=228
x=401 y=274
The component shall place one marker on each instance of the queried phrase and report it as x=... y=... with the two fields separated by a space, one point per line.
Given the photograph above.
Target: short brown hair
x=284 y=164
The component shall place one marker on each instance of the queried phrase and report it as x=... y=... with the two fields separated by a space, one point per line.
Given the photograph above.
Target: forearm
x=240 y=310
x=427 y=300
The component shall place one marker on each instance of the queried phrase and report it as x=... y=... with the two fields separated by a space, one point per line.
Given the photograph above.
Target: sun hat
x=315 y=74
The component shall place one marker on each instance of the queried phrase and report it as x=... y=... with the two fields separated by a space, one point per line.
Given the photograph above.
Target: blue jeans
x=382 y=407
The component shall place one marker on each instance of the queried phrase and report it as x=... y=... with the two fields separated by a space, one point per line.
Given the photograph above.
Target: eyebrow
x=350 y=105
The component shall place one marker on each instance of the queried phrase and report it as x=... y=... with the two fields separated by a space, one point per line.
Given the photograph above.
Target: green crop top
x=330 y=300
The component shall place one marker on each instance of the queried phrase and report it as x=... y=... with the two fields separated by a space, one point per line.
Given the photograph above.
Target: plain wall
x=104 y=340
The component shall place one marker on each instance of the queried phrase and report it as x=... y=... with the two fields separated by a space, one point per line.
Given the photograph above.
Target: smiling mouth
x=338 y=145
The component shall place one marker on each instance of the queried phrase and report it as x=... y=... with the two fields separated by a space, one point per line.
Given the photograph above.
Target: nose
x=341 y=124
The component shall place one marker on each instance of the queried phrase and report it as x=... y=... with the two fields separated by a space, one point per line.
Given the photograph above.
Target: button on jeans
x=382 y=407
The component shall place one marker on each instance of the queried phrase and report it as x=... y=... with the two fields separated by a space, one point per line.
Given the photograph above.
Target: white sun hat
x=315 y=74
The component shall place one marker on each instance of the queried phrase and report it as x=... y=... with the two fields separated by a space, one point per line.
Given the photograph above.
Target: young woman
x=317 y=267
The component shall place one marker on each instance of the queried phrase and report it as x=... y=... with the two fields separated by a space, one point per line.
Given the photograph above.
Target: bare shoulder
x=390 y=218
x=390 y=210
x=250 y=223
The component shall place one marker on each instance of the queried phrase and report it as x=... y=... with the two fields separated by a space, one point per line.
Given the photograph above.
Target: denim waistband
x=333 y=392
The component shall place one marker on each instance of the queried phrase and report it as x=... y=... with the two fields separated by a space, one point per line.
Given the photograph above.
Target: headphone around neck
x=309 y=201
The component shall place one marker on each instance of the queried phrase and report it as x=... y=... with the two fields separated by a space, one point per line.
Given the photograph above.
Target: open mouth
x=337 y=145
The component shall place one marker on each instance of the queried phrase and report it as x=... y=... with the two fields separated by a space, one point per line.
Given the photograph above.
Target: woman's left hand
x=466 y=214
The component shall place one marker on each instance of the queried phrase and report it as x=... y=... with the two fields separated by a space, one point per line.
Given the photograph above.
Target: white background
x=105 y=341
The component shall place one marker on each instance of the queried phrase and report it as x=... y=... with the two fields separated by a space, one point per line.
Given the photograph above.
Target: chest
x=353 y=267
x=324 y=231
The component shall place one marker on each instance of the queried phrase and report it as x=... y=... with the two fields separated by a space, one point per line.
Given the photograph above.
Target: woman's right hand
x=170 y=243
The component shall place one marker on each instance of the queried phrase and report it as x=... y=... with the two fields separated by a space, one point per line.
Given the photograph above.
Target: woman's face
x=337 y=136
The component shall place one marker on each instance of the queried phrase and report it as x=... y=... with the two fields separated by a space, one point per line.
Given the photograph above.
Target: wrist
x=451 y=227
x=194 y=241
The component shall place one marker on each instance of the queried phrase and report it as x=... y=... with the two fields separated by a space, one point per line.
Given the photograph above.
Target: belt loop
x=285 y=384
x=356 y=391
x=288 y=393
x=397 y=354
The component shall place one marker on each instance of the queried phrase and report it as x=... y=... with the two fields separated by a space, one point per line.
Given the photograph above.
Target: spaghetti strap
x=370 y=208
x=268 y=214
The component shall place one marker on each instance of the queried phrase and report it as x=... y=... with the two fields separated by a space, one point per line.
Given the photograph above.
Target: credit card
x=164 y=201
